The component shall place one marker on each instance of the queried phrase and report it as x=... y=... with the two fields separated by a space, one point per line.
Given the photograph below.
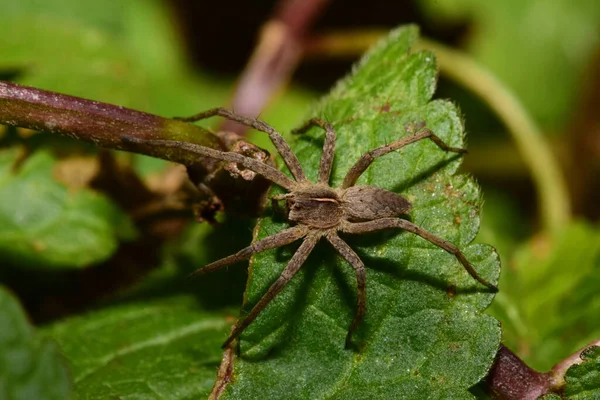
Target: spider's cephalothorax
x=319 y=211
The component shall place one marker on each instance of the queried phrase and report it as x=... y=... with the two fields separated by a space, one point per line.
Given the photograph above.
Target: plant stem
x=111 y=126
x=560 y=369
x=102 y=124
x=511 y=379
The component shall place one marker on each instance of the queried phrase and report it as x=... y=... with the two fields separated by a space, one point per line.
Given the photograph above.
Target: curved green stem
x=555 y=207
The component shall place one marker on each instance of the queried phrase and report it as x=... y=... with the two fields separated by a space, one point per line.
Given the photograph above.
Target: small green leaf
x=160 y=349
x=583 y=380
x=29 y=367
x=44 y=225
x=551 y=396
x=420 y=338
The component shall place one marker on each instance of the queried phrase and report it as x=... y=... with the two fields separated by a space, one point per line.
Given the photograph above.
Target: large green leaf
x=30 y=368
x=583 y=380
x=43 y=224
x=166 y=348
x=424 y=335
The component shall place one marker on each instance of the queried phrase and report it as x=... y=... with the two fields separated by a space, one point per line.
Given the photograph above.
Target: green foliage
x=166 y=348
x=548 y=302
x=30 y=368
x=583 y=380
x=540 y=49
x=43 y=224
x=420 y=339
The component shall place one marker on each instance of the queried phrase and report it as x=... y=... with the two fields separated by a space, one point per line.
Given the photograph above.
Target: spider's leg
x=282 y=147
x=328 y=146
x=386 y=223
x=279 y=239
x=354 y=260
x=272 y=174
x=365 y=161
x=289 y=271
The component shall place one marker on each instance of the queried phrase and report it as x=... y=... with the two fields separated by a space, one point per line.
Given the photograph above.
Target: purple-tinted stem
x=102 y=124
x=511 y=379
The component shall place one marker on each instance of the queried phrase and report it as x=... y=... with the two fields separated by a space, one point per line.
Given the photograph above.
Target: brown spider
x=319 y=210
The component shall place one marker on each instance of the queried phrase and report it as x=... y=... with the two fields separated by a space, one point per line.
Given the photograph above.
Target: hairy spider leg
x=361 y=280
x=272 y=174
x=279 y=239
x=328 y=146
x=282 y=147
x=387 y=223
x=365 y=161
x=289 y=271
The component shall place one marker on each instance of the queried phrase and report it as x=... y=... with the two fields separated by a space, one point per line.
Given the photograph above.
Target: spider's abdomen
x=365 y=203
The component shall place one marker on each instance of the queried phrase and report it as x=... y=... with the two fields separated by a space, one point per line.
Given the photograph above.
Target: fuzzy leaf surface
x=424 y=335
x=164 y=349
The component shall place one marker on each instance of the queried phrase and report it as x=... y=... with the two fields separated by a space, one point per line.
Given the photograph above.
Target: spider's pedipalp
x=282 y=147
x=276 y=199
x=328 y=147
x=279 y=239
x=365 y=161
x=387 y=223
x=289 y=271
x=272 y=174
x=361 y=279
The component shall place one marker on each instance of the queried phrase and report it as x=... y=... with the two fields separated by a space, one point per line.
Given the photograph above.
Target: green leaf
x=45 y=225
x=551 y=396
x=421 y=338
x=583 y=380
x=165 y=348
x=30 y=368
x=549 y=304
